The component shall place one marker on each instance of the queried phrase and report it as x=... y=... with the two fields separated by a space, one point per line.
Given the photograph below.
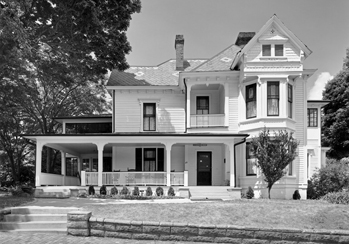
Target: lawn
x=305 y=214
x=7 y=201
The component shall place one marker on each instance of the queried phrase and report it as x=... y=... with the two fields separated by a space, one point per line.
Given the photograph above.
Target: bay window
x=312 y=117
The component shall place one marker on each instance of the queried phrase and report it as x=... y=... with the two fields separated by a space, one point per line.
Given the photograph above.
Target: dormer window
x=275 y=50
x=266 y=50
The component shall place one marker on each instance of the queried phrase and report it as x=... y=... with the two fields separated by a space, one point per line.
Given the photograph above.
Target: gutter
x=244 y=140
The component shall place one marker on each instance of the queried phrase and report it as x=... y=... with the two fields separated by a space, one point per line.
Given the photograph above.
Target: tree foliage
x=334 y=177
x=335 y=125
x=273 y=154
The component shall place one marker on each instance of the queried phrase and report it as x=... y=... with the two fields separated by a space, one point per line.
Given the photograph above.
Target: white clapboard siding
x=170 y=113
x=300 y=112
x=233 y=106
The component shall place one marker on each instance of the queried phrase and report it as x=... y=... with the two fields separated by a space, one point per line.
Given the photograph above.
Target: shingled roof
x=164 y=74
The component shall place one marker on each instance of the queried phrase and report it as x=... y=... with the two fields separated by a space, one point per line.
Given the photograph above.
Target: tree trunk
x=269 y=189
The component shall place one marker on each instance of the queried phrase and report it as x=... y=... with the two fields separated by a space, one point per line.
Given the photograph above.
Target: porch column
x=63 y=166
x=232 y=164
x=226 y=104
x=39 y=146
x=188 y=105
x=168 y=163
x=79 y=164
x=100 y=163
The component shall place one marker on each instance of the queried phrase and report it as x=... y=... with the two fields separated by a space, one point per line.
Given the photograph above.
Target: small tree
x=273 y=154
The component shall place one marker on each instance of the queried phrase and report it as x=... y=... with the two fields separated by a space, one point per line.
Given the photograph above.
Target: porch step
x=39 y=193
x=36 y=219
x=213 y=193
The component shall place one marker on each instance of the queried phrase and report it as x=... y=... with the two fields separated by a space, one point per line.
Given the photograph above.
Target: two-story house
x=188 y=122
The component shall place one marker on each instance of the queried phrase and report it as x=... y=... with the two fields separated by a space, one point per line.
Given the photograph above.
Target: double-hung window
x=279 y=50
x=149 y=159
x=266 y=50
x=276 y=50
x=251 y=101
x=202 y=105
x=312 y=117
x=273 y=98
x=149 y=117
x=290 y=100
x=251 y=168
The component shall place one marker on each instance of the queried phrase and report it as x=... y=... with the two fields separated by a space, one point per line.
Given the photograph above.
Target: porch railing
x=207 y=120
x=133 y=178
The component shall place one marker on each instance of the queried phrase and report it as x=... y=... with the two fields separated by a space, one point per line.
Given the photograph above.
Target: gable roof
x=164 y=74
x=221 y=61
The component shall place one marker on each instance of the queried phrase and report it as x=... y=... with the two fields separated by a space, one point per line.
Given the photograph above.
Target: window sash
x=251 y=167
x=149 y=117
x=251 y=101
x=149 y=159
x=266 y=50
x=312 y=117
x=279 y=50
x=273 y=98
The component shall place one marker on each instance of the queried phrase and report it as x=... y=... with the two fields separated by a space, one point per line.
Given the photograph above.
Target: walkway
x=42 y=238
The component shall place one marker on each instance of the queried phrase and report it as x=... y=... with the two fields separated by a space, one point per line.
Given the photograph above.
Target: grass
x=305 y=214
x=13 y=201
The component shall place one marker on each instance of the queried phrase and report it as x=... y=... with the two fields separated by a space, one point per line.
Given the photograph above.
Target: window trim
x=290 y=101
x=254 y=85
x=141 y=102
x=316 y=119
x=271 y=98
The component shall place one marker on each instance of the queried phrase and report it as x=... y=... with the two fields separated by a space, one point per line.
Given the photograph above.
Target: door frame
x=197 y=166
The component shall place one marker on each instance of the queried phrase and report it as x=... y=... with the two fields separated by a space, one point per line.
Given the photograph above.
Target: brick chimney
x=179 y=46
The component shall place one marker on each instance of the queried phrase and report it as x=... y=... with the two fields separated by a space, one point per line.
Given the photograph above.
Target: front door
x=204 y=175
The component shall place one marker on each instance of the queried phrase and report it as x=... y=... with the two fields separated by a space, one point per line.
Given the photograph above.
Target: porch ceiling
x=79 y=148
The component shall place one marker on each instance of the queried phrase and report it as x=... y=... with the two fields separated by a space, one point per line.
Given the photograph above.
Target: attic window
x=279 y=50
x=266 y=50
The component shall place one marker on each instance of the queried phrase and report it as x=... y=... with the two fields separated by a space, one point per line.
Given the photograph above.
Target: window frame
x=290 y=100
x=273 y=97
x=249 y=100
x=312 y=125
x=248 y=156
x=149 y=116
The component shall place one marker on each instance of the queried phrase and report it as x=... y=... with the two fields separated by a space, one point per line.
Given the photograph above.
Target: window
x=266 y=50
x=95 y=165
x=279 y=50
x=149 y=117
x=202 y=105
x=251 y=101
x=290 y=168
x=81 y=128
x=251 y=168
x=71 y=166
x=149 y=159
x=273 y=98
x=312 y=117
x=85 y=164
x=290 y=100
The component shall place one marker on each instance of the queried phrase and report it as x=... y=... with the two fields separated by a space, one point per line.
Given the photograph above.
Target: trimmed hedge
x=341 y=197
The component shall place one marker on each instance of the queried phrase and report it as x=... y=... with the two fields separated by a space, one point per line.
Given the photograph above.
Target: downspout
x=235 y=158
x=185 y=84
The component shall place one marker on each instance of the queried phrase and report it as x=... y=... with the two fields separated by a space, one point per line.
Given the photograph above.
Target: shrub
x=135 y=191
x=114 y=191
x=249 y=193
x=103 y=190
x=171 y=192
x=16 y=191
x=159 y=191
x=341 y=197
x=124 y=191
x=91 y=190
x=149 y=191
x=332 y=178
x=82 y=195
x=296 y=195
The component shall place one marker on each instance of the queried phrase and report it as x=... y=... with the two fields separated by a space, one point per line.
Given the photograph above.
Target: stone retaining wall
x=82 y=224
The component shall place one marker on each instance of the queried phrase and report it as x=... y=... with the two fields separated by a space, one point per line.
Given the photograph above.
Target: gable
x=272 y=35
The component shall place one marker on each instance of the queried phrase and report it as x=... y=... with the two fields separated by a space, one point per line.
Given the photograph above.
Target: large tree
x=273 y=154
x=335 y=126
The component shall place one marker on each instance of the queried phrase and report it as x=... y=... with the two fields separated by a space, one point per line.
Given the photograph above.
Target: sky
x=209 y=26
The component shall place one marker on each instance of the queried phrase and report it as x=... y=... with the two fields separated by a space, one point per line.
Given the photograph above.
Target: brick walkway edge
x=81 y=223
